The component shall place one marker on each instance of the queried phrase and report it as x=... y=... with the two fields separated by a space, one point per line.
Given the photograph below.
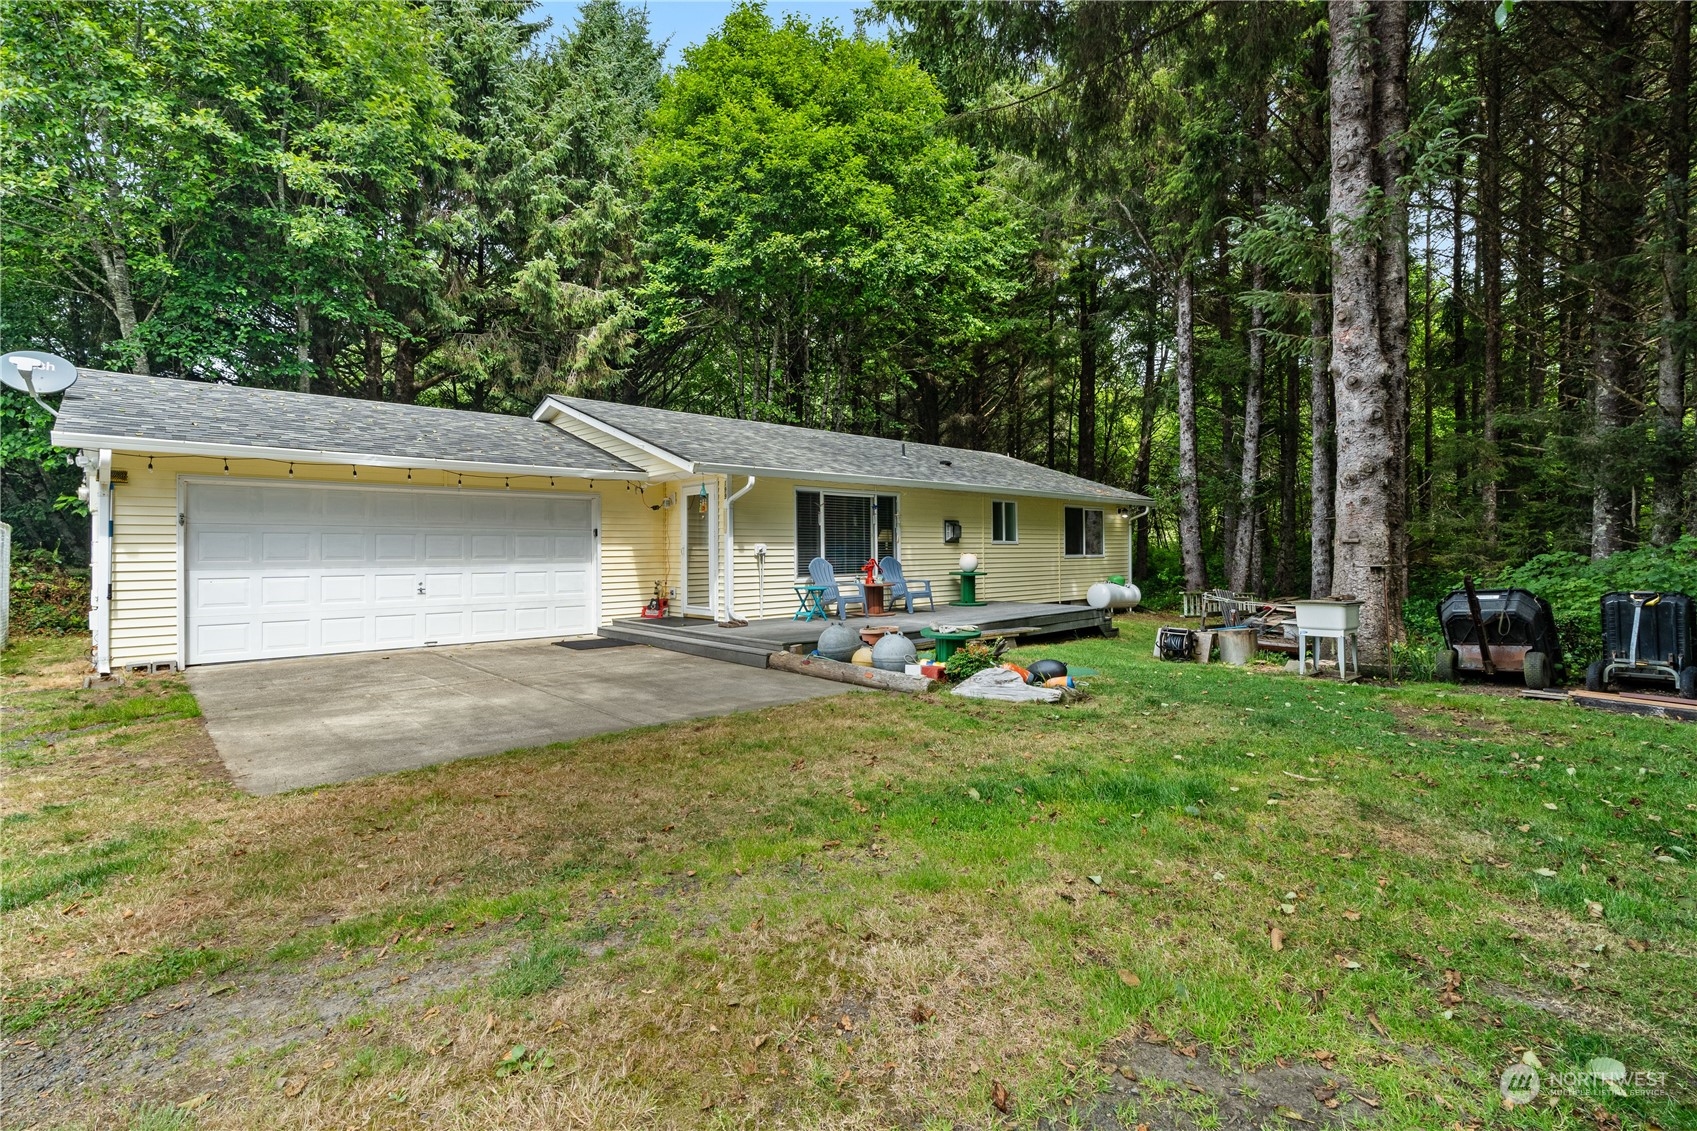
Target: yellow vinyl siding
x=1033 y=570
x=146 y=586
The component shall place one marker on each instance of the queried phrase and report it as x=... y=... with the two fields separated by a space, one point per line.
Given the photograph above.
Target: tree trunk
x=1670 y=361
x=1458 y=309
x=1146 y=407
x=116 y=267
x=1619 y=205
x=1189 y=490
x=1490 y=237
x=1087 y=352
x=1290 y=412
x=1249 y=475
x=303 y=347
x=1369 y=101
x=1322 y=459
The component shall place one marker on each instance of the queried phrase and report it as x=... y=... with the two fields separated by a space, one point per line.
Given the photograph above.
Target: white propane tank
x=1107 y=595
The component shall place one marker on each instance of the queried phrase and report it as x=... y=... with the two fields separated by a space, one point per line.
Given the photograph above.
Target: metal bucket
x=1237 y=645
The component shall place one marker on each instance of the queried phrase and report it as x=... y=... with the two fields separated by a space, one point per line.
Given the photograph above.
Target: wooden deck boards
x=752 y=643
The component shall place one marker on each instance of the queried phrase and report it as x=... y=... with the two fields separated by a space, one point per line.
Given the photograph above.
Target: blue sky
x=687 y=22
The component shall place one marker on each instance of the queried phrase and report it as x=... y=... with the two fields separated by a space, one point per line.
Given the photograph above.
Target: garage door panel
x=445 y=586
x=304 y=569
x=279 y=591
x=223 y=641
x=338 y=546
x=285 y=637
x=531 y=618
x=344 y=589
x=391 y=587
x=346 y=633
x=441 y=627
x=396 y=548
x=222 y=593
x=278 y=547
x=292 y=507
x=444 y=548
x=222 y=547
x=442 y=510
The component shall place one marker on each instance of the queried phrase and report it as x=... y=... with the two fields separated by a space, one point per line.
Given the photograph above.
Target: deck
x=752 y=643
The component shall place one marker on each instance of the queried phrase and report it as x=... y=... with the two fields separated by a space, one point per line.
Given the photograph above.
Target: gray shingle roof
x=716 y=443
x=125 y=410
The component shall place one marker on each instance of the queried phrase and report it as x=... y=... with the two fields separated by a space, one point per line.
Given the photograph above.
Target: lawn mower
x=1493 y=631
x=1650 y=637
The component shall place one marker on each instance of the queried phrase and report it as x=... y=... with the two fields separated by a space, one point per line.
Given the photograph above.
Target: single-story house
x=235 y=523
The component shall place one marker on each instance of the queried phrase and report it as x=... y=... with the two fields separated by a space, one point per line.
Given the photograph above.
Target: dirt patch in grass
x=1185 y=1087
x=182 y=1039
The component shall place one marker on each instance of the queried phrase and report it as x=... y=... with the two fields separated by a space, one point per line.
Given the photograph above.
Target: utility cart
x=1650 y=637
x=1498 y=631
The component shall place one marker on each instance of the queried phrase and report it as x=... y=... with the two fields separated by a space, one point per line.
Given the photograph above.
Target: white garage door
x=299 y=570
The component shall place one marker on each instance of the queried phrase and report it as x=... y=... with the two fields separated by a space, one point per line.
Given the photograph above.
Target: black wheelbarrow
x=1495 y=632
x=1647 y=637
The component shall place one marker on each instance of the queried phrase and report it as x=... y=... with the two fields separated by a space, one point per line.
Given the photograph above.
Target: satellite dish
x=36 y=373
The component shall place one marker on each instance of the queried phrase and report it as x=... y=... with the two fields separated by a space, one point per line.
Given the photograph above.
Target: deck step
x=751 y=654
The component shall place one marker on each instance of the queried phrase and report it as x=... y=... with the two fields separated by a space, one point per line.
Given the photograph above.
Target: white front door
x=699 y=564
x=307 y=570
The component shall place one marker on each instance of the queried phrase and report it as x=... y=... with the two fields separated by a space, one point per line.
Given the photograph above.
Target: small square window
x=1004 y=522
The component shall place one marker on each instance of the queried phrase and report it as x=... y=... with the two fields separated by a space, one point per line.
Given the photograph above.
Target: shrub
x=47 y=595
x=1574 y=586
x=970 y=659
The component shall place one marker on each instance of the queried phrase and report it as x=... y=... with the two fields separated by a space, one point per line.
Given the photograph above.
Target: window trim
x=1084 y=532
x=1008 y=506
x=895 y=527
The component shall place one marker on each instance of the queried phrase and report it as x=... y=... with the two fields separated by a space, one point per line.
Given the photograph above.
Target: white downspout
x=99 y=483
x=730 y=544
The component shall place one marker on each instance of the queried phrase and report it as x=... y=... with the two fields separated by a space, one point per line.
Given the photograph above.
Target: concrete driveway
x=285 y=724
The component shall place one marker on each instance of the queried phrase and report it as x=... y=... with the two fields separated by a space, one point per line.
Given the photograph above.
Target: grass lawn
x=1204 y=897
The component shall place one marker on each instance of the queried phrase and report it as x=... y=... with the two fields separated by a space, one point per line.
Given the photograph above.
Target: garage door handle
x=421 y=590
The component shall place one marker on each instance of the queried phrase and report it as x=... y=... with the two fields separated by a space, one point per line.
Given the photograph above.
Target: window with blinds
x=845 y=530
x=806 y=529
x=1083 y=533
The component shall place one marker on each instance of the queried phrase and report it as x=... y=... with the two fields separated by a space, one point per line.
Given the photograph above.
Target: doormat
x=591 y=645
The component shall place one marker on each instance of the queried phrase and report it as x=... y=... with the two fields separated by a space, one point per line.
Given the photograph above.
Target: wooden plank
x=1682 y=709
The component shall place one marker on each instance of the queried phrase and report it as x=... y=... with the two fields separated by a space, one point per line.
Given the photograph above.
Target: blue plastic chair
x=843 y=593
x=901 y=589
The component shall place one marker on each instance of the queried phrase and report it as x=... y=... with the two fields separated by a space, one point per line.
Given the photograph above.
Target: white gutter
x=730 y=548
x=804 y=477
x=139 y=444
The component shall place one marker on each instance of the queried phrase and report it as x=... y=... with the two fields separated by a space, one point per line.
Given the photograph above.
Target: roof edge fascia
x=143 y=446
x=1127 y=498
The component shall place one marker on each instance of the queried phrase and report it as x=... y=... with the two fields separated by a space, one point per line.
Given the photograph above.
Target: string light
x=409 y=475
x=291 y=470
x=356 y=470
x=459 y=480
x=507 y=483
x=226 y=467
x=150 y=463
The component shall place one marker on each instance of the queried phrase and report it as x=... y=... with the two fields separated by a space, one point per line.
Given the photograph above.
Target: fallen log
x=852 y=674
